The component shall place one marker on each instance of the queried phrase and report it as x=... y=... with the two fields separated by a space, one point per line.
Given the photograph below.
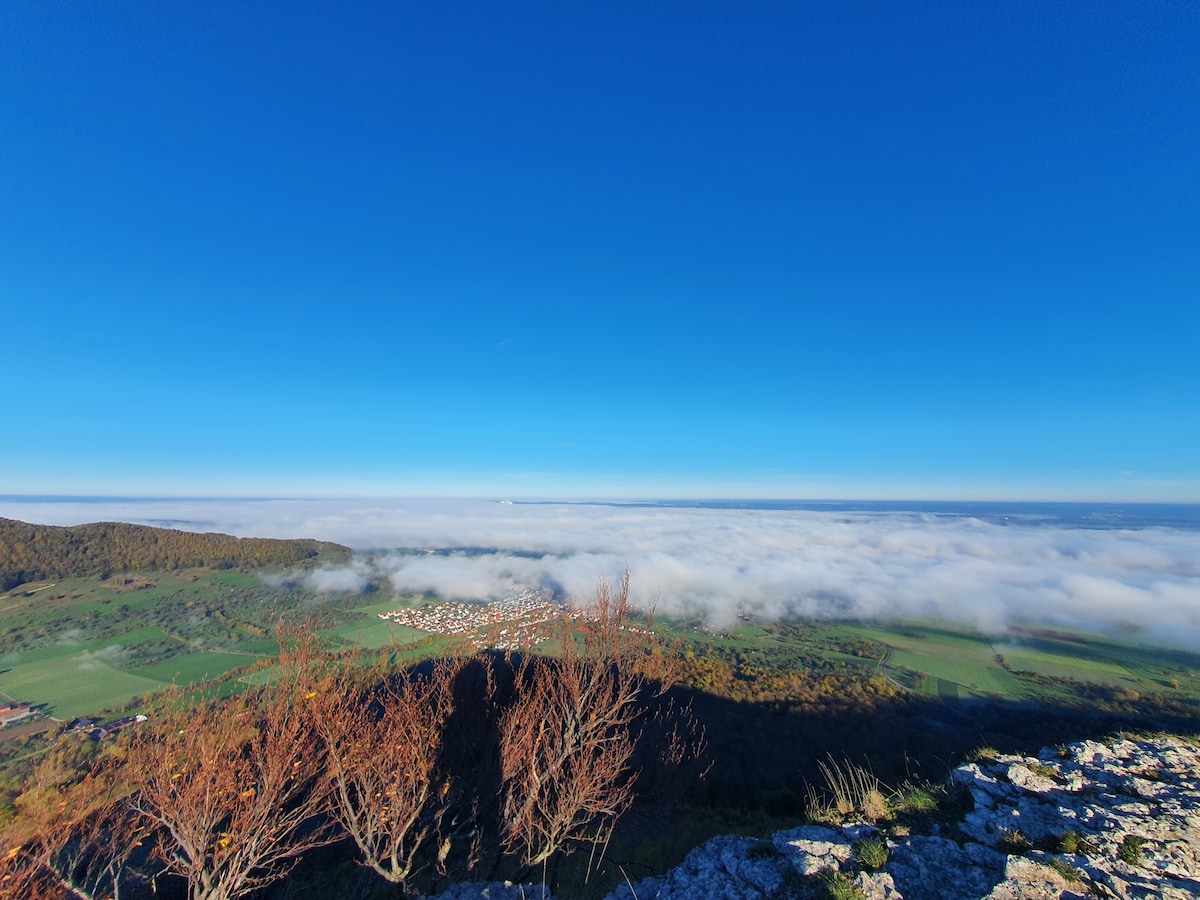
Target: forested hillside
x=32 y=552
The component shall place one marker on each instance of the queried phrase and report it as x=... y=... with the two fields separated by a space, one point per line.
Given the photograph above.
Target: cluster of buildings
x=98 y=731
x=517 y=621
x=93 y=729
x=14 y=712
x=520 y=621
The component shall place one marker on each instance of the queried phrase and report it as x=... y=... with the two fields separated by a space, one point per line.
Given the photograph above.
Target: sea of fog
x=1127 y=570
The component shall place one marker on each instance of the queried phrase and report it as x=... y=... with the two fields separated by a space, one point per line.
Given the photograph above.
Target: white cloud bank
x=718 y=561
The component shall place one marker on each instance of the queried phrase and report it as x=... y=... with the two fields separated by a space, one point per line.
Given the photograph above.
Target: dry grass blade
x=850 y=790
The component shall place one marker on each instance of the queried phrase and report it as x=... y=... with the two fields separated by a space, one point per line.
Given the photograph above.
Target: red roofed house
x=13 y=712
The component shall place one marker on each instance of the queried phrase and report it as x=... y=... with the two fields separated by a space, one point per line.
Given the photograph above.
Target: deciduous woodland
x=30 y=552
x=489 y=765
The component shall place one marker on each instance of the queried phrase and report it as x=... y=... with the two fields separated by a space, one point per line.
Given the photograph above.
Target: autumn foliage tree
x=529 y=756
x=74 y=832
x=383 y=744
x=29 y=552
x=567 y=741
x=21 y=877
x=236 y=791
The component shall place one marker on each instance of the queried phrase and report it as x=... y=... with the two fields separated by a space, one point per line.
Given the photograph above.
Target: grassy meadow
x=87 y=646
x=76 y=685
x=91 y=646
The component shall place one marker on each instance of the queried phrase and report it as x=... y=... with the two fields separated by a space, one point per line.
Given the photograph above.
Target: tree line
x=494 y=764
x=38 y=552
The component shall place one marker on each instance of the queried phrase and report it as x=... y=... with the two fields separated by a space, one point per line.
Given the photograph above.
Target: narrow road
x=883 y=670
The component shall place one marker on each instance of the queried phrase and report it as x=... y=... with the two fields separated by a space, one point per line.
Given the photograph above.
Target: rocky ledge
x=1118 y=820
x=1111 y=820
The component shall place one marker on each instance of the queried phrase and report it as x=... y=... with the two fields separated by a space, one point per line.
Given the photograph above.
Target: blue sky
x=877 y=250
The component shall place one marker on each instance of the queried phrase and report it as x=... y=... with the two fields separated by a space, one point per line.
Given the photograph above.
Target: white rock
x=1102 y=792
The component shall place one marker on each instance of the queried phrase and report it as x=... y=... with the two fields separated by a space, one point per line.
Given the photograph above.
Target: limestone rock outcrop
x=1111 y=820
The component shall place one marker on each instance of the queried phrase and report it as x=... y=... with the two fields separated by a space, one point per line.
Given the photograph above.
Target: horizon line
x=576 y=500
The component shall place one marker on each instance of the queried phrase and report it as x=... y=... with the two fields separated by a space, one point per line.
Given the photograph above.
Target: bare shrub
x=565 y=746
x=21 y=875
x=235 y=790
x=74 y=831
x=384 y=746
x=568 y=738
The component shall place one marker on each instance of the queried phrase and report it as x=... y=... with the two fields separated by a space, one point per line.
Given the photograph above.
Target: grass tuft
x=1075 y=843
x=1130 y=849
x=871 y=854
x=916 y=807
x=1015 y=842
x=914 y=799
x=1065 y=869
x=840 y=886
x=850 y=790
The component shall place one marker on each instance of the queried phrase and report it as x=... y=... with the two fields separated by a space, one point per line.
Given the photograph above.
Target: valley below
x=777 y=702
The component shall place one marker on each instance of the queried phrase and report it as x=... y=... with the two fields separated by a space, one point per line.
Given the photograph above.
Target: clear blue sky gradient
x=939 y=250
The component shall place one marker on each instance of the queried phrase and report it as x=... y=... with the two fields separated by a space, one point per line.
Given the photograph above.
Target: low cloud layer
x=716 y=562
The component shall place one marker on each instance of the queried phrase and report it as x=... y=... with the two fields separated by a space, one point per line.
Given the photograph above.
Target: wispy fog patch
x=348 y=579
x=110 y=653
x=717 y=562
x=345 y=580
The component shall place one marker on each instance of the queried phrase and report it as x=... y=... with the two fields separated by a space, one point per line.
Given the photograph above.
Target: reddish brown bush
x=567 y=740
x=384 y=746
x=236 y=791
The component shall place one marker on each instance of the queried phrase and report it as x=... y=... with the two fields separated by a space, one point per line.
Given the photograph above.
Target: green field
x=193 y=667
x=364 y=628
x=38 y=654
x=82 y=645
x=133 y=638
x=1059 y=665
x=942 y=660
x=955 y=665
x=372 y=610
x=78 y=685
x=375 y=635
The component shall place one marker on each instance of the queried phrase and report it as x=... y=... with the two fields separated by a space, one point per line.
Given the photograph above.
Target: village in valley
x=522 y=619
